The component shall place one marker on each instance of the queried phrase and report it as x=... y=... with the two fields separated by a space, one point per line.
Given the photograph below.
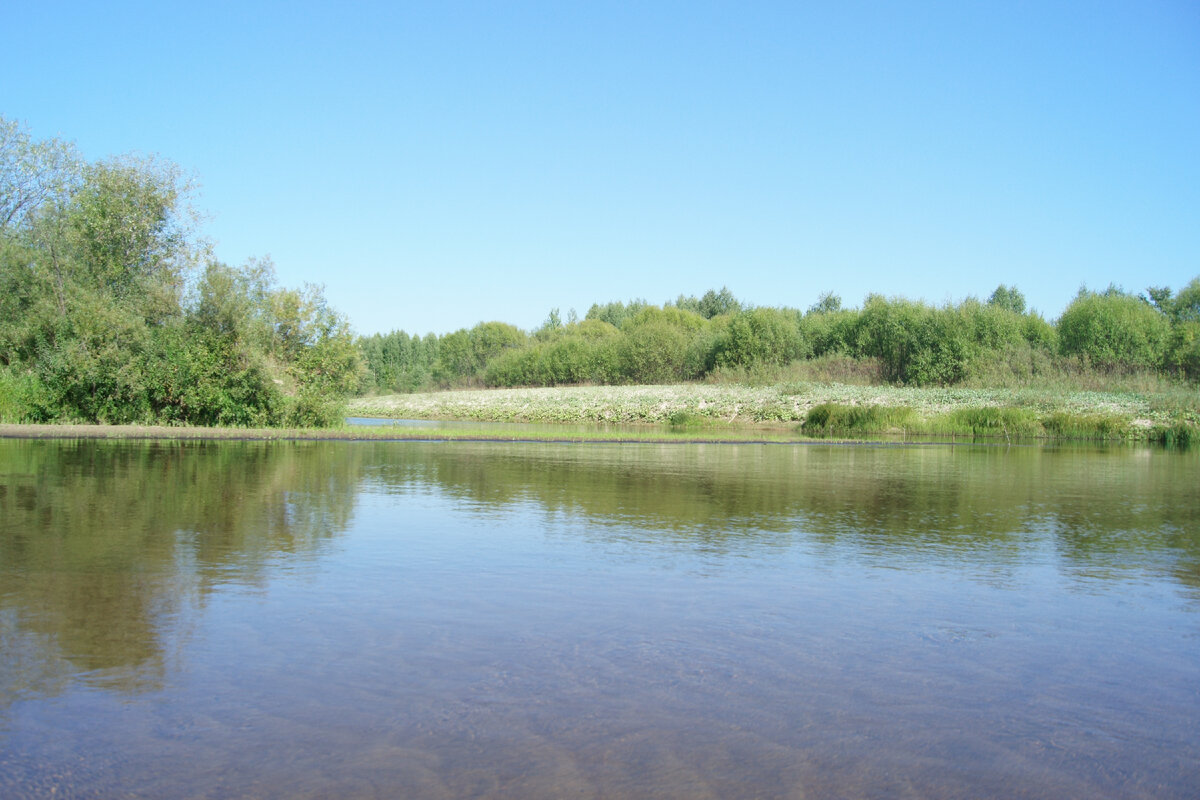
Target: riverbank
x=819 y=409
x=720 y=413
x=405 y=433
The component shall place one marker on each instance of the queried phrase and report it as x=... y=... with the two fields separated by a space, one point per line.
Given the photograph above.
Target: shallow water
x=382 y=619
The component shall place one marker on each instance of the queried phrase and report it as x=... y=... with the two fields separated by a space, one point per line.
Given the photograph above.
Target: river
x=525 y=620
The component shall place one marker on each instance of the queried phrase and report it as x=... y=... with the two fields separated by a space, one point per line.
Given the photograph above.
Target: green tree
x=34 y=175
x=761 y=336
x=827 y=303
x=1009 y=298
x=714 y=304
x=1113 y=330
x=616 y=313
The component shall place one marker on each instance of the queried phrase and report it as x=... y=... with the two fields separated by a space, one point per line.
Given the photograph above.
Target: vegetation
x=111 y=309
x=1102 y=338
x=821 y=410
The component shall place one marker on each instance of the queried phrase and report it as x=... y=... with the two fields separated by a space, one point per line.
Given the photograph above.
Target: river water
x=429 y=620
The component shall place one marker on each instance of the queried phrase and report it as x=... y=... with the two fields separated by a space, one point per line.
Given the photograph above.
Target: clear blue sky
x=439 y=164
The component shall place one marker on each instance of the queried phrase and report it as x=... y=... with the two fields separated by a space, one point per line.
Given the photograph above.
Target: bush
x=918 y=345
x=760 y=336
x=1183 y=352
x=1114 y=330
x=653 y=352
x=831 y=332
x=19 y=393
x=996 y=421
x=839 y=418
x=1085 y=426
x=1180 y=434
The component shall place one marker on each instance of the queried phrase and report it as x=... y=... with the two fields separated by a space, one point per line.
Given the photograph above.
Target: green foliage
x=714 y=304
x=569 y=359
x=996 y=421
x=839 y=418
x=888 y=340
x=19 y=392
x=832 y=332
x=34 y=175
x=1019 y=364
x=662 y=345
x=616 y=313
x=1180 y=434
x=761 y=336
x=103 y=317
x=1067 y=425
x=1008 y=298
x=917 y=344
x=553 y=326
x=653 y=351
x=1038 y=333
x=396 y=362
x=1186 y=305
x=1183 y=354
x=827 y=303
x=464 y=355
x=1114 y=330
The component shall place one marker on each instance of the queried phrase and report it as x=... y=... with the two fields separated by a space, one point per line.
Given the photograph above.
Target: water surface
x=381 y=619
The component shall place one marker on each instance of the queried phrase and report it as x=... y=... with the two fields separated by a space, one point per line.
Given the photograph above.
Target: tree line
x=112 y=308
x=903 y=341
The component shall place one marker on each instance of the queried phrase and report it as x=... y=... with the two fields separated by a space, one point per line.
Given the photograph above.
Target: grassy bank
x=821 y=409
x=724 y=413
x=446 y=433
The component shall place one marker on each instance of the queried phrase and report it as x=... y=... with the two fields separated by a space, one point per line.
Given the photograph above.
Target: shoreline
x=822 y=411
x=653 y=435
x=720 y=413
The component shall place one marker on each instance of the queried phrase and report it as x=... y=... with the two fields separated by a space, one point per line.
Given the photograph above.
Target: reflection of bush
x=102 y=541
x=917 y=503
x=103 y=545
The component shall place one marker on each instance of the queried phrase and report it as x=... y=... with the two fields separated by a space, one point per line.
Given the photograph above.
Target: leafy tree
x=1186 y=306
x=714 y=304
x=34 y=176
x=653 y=352
x=1113 y=330
x=1009 y=298
x=761 y=336
x=827 y=303
x=1161 y=298
x=616 y=313
x=103 y=316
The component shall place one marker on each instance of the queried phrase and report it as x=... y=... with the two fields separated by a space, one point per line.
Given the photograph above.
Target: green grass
x=449 y=433
x=736 y=403
x=838 y=418
x=1181 y=434
x=1000 y=422
x=821 y=409
x=731 y=412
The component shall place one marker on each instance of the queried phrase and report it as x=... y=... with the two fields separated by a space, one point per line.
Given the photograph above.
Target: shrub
x=1085 y=426
x=19 y=392
x=760 y=336
x=1183 y=352
x=839 y=418
x=832 y=332
x=1180 y=434
x=1113 y=330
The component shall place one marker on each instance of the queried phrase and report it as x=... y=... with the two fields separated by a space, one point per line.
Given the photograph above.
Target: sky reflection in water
x=534 y=620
